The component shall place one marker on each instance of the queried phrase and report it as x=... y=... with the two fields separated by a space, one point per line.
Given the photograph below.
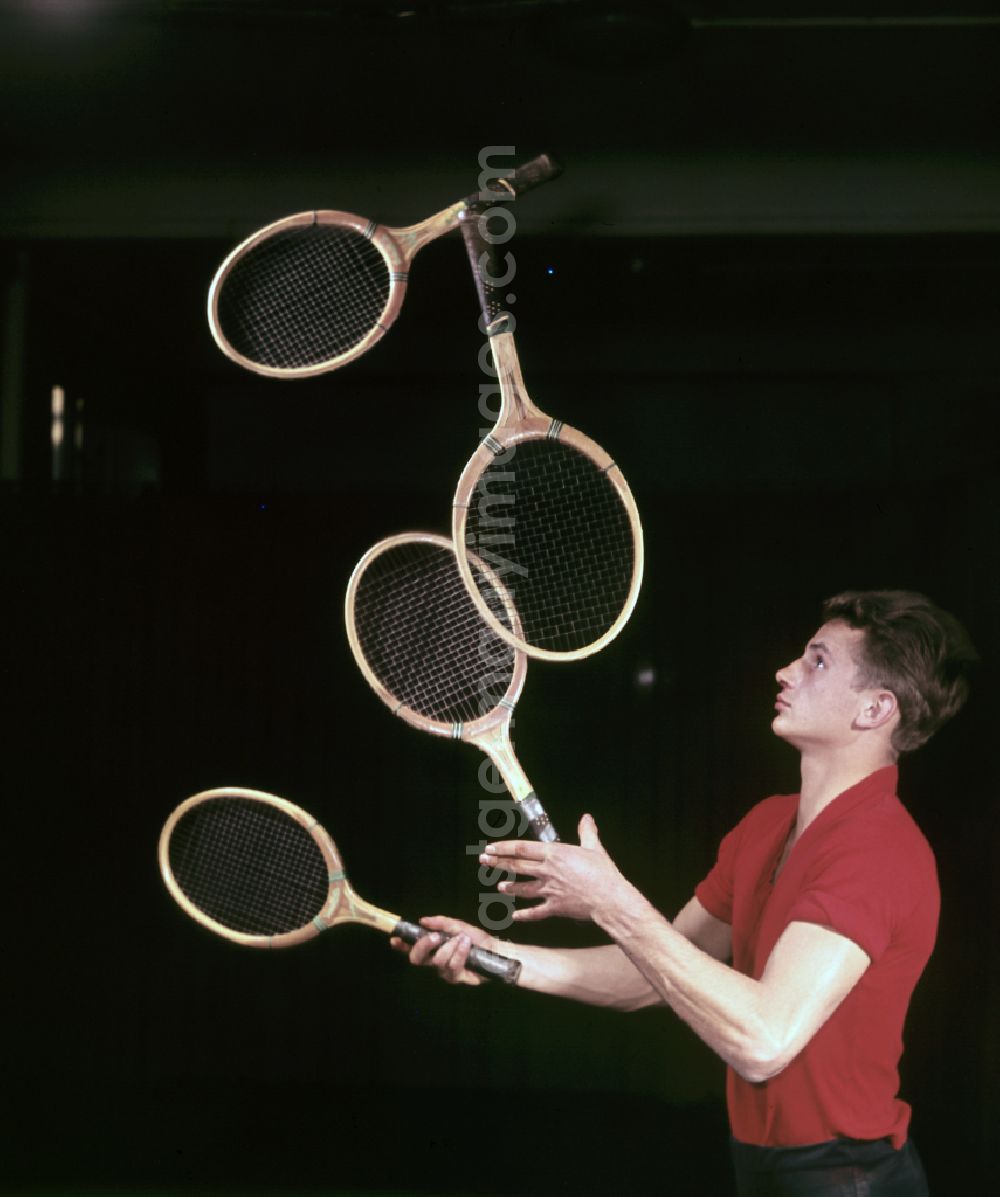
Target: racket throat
x=415 y=236
x=515 y=405
x=533 y=818
x=369 y=916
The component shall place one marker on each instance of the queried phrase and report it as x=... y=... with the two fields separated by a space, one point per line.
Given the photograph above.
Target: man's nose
x=785 y=675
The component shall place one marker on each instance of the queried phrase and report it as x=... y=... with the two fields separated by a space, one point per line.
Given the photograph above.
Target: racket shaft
x=487 y=964
x=416 y=236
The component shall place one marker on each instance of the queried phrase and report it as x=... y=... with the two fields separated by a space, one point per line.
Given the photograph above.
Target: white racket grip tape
x=534 y=812
x=487 y=964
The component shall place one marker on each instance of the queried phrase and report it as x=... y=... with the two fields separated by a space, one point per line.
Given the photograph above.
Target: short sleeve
x=859 y=893
x=715 y=892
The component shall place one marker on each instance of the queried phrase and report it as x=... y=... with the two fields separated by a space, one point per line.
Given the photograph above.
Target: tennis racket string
x=423 y=638
x=249 y=866
x=303 y=296
x=567 y=554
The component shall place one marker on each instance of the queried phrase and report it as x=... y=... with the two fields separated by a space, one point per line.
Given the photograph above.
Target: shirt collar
x=880 y=784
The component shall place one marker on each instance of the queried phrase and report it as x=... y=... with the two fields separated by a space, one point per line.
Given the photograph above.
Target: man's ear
x=878 y=708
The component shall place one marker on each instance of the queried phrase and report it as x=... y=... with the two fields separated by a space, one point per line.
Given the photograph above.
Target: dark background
x=768 y=283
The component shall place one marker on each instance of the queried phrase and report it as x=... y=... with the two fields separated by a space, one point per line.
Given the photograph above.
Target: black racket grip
x=538 y=820
x=482 y=261
x=487 y=964
x=532 y=174
x=482 y=252
x=521 y=179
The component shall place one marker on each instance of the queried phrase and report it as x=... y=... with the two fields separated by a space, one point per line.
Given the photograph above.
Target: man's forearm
x=601 y=976
x=720 y=1004
x=605 y=976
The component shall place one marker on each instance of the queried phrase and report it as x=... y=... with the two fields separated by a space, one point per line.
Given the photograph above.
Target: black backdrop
x=796 y=414
x=179 y=627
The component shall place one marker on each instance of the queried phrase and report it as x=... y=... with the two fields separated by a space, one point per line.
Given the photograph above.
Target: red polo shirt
x=863 y=868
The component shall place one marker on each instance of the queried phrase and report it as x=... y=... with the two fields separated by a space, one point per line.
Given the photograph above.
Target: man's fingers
x=511 y=864
x=531 y=914
x=425 y=946
x=441 y=922
x=587 y=831
x=523 y=850
x=451 y=959
x=445 y=947
x=521 y=889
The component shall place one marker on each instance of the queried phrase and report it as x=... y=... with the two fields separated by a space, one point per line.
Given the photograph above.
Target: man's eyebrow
x=819 y=646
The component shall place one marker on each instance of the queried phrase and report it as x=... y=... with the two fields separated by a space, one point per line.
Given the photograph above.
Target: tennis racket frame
x=489 y=732
x=398 y=247
x=343 y=904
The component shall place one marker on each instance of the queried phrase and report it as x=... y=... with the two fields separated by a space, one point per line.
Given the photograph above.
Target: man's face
x=817 y=704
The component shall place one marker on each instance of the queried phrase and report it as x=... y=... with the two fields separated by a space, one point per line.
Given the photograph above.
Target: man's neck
x=826 y=776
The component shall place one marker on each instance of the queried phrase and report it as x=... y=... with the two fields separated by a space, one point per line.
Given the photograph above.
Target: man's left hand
x=571 y=881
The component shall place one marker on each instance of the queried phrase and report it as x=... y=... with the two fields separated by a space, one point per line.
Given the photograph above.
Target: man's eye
x=819 y=662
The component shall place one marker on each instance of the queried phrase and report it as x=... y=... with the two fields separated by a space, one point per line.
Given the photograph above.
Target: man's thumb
x=587 y=831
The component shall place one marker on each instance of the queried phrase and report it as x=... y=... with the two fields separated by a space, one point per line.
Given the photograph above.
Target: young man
x=797 y=955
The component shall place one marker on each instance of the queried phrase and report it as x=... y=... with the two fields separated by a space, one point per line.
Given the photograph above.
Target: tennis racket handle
x=538 y=820
x=482 y=260
x=487 y=964
x=531 y=174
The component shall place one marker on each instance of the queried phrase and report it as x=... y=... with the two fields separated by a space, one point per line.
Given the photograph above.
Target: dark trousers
x=840 y=1168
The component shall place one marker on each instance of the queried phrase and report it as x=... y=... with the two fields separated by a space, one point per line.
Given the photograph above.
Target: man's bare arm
x=599 y=976
x=605 y=976
x=756 y=1026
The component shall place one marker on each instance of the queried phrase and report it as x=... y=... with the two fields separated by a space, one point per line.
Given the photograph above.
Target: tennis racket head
x=307 y=293
x=419 y=640
x=254 y=868
x=572 y=558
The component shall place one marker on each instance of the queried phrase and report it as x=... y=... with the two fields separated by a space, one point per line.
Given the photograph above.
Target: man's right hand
x=448 y=955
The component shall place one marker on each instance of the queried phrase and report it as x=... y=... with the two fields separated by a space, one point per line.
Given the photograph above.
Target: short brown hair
x=913 y=648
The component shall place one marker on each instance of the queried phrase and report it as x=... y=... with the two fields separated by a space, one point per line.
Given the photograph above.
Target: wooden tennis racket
x=544 y=507
x=314 y=291
x=261 y=872
x=421 y=645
